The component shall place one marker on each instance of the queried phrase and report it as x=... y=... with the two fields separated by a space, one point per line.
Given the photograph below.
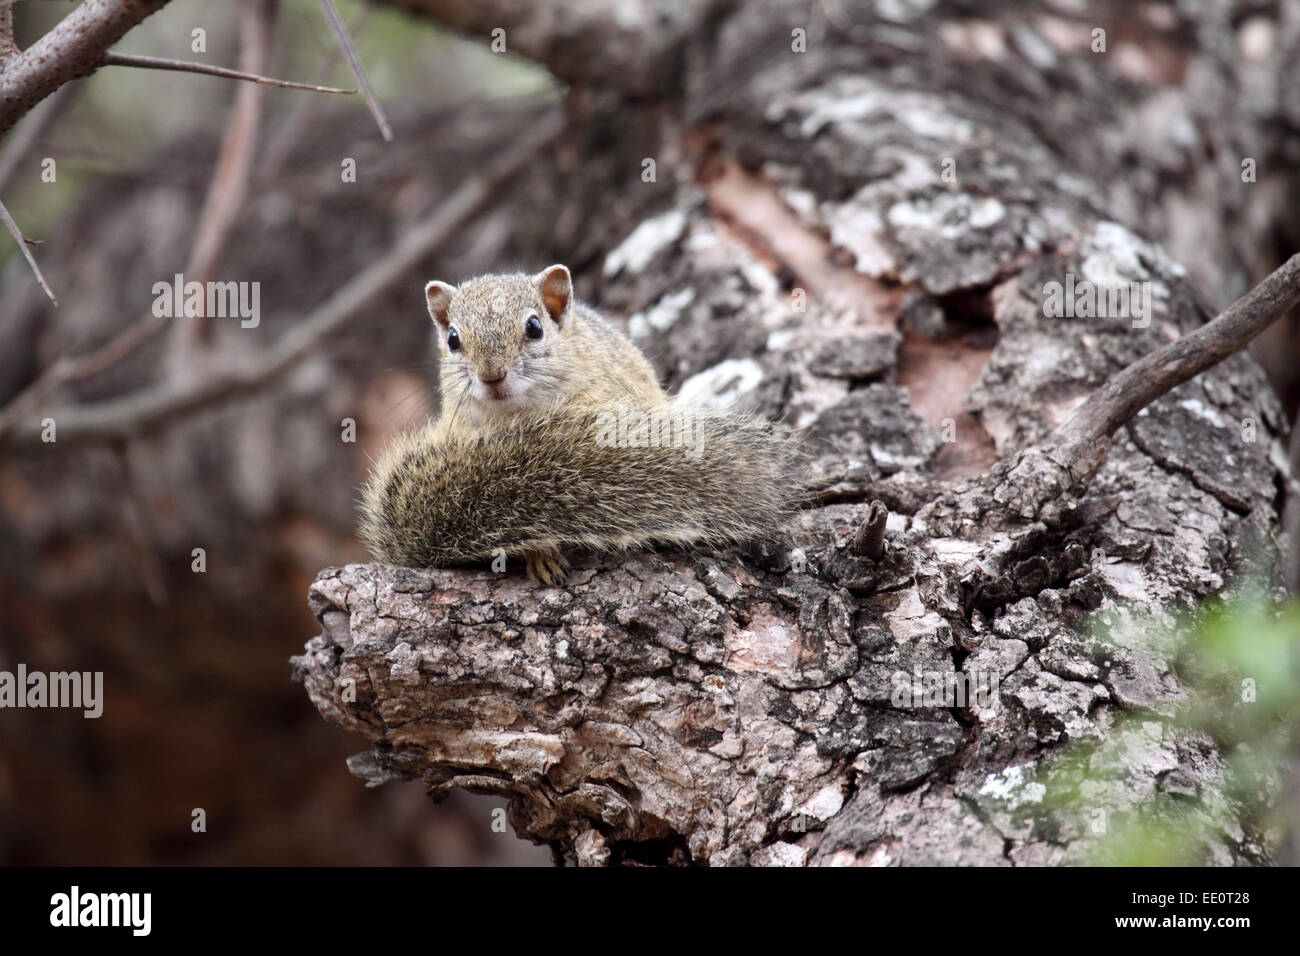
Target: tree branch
x=186 y=66
x=67 y=369
x=14 y=231
x=1150 y=377
x=74 y=48
x=354 y=63
x=1034 y=483
x=8 y=47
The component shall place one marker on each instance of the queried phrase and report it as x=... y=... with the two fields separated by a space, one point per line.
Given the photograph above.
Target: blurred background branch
x=354 y=64
x=141 y=414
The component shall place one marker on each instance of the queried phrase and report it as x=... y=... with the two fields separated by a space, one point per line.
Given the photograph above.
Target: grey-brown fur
x=545 y=483
x=548 y=468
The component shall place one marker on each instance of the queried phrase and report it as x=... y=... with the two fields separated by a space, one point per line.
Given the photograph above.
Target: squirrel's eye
x=533 y=327
x=453 y=339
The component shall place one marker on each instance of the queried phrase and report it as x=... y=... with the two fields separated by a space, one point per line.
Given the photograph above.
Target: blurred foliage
x=1240 y=660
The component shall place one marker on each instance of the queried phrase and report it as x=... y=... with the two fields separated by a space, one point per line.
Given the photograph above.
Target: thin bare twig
x=14 y=231
x=16 y=148
x=1137 y=386
x=152 y=408
x=187 y=66
x=345 y=41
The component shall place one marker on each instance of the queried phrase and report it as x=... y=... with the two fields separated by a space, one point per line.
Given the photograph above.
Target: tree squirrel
x=554 y=432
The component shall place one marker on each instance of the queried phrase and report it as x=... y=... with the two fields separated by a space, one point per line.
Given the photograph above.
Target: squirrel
x=554 y=432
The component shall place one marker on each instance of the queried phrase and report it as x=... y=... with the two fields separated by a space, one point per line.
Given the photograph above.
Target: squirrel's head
x=497 y=335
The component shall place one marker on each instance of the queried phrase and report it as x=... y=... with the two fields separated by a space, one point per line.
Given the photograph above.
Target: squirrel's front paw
x=546 y=566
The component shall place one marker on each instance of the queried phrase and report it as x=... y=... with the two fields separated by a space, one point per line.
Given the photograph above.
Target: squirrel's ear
x=557 y=290
x=438 y=295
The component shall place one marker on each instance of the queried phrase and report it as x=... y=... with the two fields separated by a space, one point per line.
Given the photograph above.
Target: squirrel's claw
x=546 y=566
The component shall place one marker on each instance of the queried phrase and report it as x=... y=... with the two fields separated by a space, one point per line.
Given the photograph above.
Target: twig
x=67 y=369
x=74 y=48
x=345 y=41
x=186 y=66
x=150 y=409
x=869 y=541
x=12 y=226
x=1137 y=386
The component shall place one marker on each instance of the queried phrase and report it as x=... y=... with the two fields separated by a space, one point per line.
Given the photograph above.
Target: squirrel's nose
x=490 y=376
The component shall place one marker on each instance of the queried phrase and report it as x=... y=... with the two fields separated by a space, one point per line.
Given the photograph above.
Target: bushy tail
x=608 y=480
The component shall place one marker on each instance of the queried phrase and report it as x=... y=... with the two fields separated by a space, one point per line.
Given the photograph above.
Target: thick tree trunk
x=808 y=254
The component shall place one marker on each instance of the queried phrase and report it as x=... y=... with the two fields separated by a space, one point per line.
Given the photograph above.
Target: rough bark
x=742 y=707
